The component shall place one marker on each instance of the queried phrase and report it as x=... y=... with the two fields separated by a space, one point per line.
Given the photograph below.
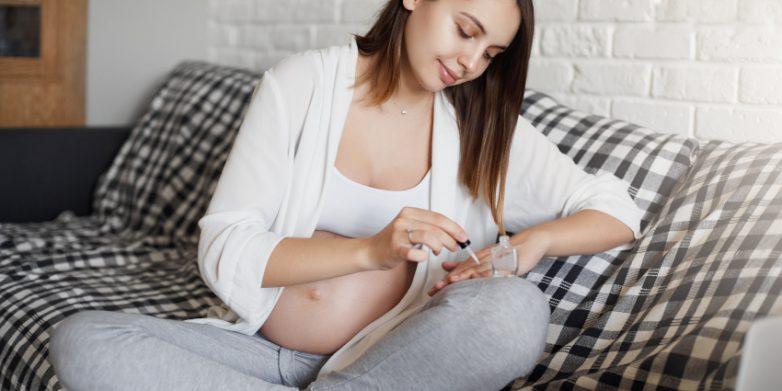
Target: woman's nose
x=469 y=61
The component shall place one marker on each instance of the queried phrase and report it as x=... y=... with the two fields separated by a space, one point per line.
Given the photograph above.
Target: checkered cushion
x=162 y=177
x=650 y=162
x=137 y=252
x=671 y=312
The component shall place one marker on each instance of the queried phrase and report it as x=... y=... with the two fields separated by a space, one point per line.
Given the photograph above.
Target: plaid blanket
x=670 y=313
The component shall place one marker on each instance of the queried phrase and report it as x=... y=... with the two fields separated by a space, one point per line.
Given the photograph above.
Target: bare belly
x=321 y=316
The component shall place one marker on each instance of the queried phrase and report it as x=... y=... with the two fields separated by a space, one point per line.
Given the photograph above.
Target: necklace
x=402 y=110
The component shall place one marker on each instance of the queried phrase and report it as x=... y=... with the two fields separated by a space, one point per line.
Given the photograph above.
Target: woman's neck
x=409 y=92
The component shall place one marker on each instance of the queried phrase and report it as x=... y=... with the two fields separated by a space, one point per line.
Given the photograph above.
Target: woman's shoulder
x=296 y=71
x=298 y=76
x=303 y=70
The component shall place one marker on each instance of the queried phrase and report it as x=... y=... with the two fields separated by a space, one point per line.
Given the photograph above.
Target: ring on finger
x=410 y=238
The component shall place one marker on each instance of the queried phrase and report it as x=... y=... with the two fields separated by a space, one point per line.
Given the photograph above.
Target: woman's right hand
x=391 y=246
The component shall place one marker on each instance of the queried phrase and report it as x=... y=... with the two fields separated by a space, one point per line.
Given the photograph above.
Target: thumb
x=449 y=265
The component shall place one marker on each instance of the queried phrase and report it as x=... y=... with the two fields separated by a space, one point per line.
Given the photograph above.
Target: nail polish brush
x=466 y=246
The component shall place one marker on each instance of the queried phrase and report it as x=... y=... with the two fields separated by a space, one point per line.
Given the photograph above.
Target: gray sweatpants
x=477 y=334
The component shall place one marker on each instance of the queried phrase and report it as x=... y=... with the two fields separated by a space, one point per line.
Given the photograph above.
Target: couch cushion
x=51 y=270
x=649 y=161
x=161 y=181
x=673 y=313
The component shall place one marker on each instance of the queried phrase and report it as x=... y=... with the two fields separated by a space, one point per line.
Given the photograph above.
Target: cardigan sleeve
x=235 y=239
x=545 y=184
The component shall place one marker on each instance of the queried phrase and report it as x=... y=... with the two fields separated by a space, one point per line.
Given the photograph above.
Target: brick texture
x=710 y=69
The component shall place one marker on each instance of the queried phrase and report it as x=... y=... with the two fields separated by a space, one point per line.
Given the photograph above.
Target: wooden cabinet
x=47 y=89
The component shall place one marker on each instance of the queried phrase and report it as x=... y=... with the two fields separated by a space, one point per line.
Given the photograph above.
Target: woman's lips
x=445 y=76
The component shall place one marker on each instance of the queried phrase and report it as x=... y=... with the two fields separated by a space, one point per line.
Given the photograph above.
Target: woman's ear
x=411 y=4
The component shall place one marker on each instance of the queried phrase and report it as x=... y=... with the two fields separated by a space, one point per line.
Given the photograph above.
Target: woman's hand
x=393 y=245
x=465 y=269
x=529 y=250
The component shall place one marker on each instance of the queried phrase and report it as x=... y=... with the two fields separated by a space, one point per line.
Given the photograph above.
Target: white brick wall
x=710 y=69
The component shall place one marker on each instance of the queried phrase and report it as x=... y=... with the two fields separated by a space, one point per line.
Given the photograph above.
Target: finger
x=437 y=287
x=437 y=219
x=483 y=268
x=432 y=291
x=443 y=283
x=465 y=275
x=441 y=237
x=446 y=239
x=433 y=237
x=485 y=252
x=460 y=268
x=414 y=254
x=413 y=239
x=449 y=265
x=472 y=272
x=468 y=264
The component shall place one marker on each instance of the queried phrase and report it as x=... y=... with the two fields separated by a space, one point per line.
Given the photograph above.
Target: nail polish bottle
x=504 y=261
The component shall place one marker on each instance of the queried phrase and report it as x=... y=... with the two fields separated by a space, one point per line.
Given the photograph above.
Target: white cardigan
x=272 y=185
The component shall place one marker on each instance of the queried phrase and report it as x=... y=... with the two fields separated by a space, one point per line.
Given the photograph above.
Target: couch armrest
x=45 y=171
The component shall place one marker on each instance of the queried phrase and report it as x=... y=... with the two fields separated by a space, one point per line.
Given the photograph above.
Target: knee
x=69 y=333
x=70 y=343
x=517 y=312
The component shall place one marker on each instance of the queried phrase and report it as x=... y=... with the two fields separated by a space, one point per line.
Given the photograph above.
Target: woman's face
x=443 y=34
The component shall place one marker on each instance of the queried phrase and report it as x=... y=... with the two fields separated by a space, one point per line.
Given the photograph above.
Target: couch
x=120 y=234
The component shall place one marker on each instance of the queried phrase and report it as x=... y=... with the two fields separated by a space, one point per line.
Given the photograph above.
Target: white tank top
x=355 y=210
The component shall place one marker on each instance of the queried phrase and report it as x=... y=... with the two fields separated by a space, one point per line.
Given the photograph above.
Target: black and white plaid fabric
x=137 y=252
x=650 y=162
x=670 y=313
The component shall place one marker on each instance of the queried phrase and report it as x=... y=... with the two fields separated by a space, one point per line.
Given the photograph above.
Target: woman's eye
x=464 y=35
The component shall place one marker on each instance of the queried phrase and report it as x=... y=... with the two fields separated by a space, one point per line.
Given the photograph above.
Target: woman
x=347 y=159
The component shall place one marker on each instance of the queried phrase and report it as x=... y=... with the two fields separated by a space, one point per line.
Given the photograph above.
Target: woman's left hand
x=529 y=250
x=465 y=269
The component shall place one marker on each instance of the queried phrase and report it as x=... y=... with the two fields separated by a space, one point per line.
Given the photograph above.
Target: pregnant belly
x=321 y=316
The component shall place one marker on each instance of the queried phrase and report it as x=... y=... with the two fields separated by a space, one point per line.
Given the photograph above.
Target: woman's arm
x=547 y=191
x=325 y=255
x=584 y=232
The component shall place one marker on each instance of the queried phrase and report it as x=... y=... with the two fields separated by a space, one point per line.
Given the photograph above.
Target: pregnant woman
x=333 y=235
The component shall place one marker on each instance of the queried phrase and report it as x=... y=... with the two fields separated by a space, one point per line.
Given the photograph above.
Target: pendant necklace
x=402 y=110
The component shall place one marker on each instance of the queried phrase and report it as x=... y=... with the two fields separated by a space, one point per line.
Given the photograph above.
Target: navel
x=315 y=294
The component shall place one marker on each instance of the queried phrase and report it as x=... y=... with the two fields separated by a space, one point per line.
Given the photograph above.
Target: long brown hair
x=486 y=107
